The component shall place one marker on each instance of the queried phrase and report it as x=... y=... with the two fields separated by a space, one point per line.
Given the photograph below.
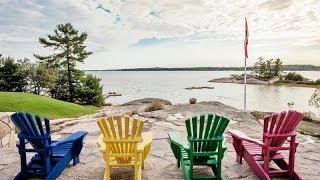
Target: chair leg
x=23 y=157
x=238 y=147
x=107 y=173
x=255 y=166
x=292 y=156
x=214 y=169
x=137 y=172
x=142 y=161
x=76 y=160
x=219 y=162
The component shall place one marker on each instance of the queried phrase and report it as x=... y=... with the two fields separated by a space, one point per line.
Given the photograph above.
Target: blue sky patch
x=103 y=8
x=154 y=13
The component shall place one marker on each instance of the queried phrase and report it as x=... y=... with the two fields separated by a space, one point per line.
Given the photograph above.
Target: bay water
x=170 y=85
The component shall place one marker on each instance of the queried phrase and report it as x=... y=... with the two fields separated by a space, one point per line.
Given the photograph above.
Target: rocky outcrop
x=200 y=87
x=147 y=101
x=239 y=79
x=250 y=80
x=161 y=164
x=7 y=131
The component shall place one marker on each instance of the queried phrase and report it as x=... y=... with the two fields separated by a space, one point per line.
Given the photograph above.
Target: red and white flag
x=246 y=39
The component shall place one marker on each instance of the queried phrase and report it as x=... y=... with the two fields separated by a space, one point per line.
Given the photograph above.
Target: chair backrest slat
x=207 y=130
x=32 y=124
x=126 y=130
x=188 y=126
x=119 y=122
x=201 y=131
x=274 y=119
x=215 y=125
x=39 y=123
x=208 y=125
x=282 y=117
x=194 y=131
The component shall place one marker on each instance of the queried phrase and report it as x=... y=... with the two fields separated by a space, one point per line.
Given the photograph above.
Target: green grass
x=42 y=105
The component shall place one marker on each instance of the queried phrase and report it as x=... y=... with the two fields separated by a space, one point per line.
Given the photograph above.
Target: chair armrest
x=146 y=138
x=224 y=142
x=240 y=135
x=72 y=138
x=100 y=143
x=175 y=139
x=290 y=134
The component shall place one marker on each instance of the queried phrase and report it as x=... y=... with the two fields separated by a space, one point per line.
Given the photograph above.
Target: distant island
x=292 y=67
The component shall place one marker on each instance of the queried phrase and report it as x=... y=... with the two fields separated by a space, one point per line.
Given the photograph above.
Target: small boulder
x=193 y=100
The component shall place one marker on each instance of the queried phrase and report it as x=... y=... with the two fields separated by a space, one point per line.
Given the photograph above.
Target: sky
x=168 y=33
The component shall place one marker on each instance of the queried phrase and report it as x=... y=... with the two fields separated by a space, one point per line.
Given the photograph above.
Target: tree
x=42 y=78
x=90 y=91
x=269 y=70
x=278 y=68
x=260 y=67
x=315 y=99
x=69 y=48
x=26 y=69
x=11 y=79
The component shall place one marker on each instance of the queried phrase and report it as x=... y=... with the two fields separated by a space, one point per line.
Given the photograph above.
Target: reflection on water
x=171 y=85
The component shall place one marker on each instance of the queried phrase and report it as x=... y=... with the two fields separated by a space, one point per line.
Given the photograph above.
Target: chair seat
x=61 y=150
x=256 y=151
x=252 y=148
x=211 y=160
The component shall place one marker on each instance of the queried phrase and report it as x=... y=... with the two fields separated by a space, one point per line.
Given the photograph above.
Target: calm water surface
x=170 y=85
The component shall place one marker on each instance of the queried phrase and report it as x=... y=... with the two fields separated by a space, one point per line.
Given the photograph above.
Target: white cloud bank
x=148 y=33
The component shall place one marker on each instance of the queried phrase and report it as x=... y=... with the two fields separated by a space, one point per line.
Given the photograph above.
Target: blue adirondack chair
x=51 y=157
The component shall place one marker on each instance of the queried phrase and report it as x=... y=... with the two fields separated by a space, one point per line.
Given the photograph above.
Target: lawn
x=42 y=105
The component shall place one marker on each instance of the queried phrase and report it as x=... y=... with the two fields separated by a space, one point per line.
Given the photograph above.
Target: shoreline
x=254 y=81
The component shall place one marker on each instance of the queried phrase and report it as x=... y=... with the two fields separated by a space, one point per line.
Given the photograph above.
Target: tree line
x=54 y=74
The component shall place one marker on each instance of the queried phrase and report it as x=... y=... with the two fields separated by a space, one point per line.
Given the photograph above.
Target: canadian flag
x=246 y=39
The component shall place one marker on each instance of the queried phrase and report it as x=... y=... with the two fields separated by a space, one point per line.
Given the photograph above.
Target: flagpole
x=245 y=83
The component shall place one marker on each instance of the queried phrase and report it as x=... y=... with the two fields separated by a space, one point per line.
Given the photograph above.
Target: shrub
x=293 y=76
x=155 y=105
x=310 y=117
x=317 y=81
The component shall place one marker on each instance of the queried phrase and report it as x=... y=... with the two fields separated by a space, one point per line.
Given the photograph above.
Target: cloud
x=276 y=5
x=116 y=28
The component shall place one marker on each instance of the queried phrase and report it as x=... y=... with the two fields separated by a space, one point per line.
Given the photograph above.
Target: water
x=170 y=85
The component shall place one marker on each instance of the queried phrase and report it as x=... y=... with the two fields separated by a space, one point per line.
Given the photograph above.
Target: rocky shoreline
x=251 y=79
x=161 y=163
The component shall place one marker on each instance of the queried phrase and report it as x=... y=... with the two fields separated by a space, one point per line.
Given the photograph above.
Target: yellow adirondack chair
x=122 y=145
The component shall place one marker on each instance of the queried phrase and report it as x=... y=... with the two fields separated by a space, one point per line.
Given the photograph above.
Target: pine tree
x=68 y=46
x=278 y=68
x=11 y=78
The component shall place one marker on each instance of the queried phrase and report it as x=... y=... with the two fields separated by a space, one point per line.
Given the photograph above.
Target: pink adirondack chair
x=277 y=129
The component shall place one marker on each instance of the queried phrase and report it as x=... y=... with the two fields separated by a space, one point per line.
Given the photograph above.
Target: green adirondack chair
x=205 y=145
